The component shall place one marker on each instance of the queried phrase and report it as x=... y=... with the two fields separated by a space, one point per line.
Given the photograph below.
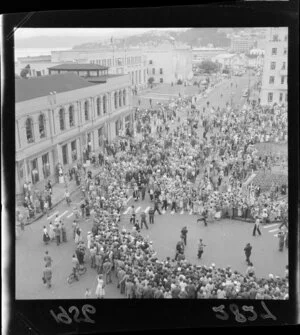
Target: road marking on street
x=276 y=235
x=272 y=231
x=138 y=209
x=147 y=209
x=70 y=215
x=127 y=210
x=271 y=225
x=50 y=217
x=64 y=213
x=128 y=199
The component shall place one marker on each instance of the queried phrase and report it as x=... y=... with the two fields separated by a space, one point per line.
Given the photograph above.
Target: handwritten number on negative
x=269 y=315
x=220 y=309
x=250 y=309
x=63 y=317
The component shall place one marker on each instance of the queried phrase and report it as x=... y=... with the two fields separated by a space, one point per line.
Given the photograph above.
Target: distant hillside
x=195 y=37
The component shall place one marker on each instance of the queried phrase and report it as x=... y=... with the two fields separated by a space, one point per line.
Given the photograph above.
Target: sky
x=23 y=33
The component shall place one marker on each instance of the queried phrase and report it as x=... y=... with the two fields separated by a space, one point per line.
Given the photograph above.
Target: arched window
x=116 y=100
x=120 y=98
x=29 y=130
x=98 y=106
x=42 y=126
x=71 y=116
x=124 y=97
x=62 y=119
x=104 y=104
x=86 y=110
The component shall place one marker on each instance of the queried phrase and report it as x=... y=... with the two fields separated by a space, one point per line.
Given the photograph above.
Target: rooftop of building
x=31 y=88
x=225 y=55
x=78 y=67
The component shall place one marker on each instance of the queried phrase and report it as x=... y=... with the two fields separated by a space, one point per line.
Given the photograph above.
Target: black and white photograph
x=151 y=163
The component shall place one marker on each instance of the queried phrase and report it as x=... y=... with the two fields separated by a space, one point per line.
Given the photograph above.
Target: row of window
x=274 y=51
x=160 y=71
x=118 y=61
x=276 y=38
x=271 y=97
x=272 y=80
x=69 y=116
x=273 y=66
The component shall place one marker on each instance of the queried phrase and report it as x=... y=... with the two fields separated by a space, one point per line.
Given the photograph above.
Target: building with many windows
x=275 y=69
x=169 y=65
x=241 y=44
x=62 y=116
x=119 y=61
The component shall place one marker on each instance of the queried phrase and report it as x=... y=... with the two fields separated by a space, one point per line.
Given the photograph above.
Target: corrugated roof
x=31 y=88
x=77 y=66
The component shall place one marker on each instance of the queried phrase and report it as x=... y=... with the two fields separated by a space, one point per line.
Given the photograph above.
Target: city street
x=167 y=92
x=225 y=239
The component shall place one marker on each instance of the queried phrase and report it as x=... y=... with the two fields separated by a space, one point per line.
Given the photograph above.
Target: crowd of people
x=183 y=170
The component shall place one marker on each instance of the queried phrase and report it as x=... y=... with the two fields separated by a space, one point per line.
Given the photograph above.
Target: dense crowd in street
x=180 y=170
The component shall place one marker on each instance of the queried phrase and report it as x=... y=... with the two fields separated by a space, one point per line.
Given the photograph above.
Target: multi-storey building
x=119 y=61
x=274 y=78
x=241 y=44
x=59 y=117
x=169 y=65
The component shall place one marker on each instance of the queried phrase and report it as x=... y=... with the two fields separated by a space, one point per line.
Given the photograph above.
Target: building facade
x=119 y=61
x=205 y=53
x=38 y=65
x=169 y=65
x=241 y=44
x=275 y=69
x=59 y=127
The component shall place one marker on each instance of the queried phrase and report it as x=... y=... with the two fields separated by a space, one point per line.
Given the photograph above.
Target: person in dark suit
x=156 y=208
x=248 y=249
x=151 y=215
x=184 y=232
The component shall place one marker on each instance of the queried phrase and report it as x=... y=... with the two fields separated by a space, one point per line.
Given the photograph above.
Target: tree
x=150 y=80
x=208 y=66
x=25 y=71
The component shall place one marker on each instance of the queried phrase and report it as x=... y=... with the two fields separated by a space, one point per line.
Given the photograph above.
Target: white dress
x=100 y=292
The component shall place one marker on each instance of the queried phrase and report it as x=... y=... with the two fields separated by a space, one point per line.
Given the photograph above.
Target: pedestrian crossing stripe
x=127 y=210
x=272 y=231
x=64 y=213
x=128 y=199
x=138 y=209
x=70 y=215
x=50 y=217
x=147 y=209
x=270 y=225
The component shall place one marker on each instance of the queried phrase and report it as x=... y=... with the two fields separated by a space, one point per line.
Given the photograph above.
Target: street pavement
x=225 y=239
